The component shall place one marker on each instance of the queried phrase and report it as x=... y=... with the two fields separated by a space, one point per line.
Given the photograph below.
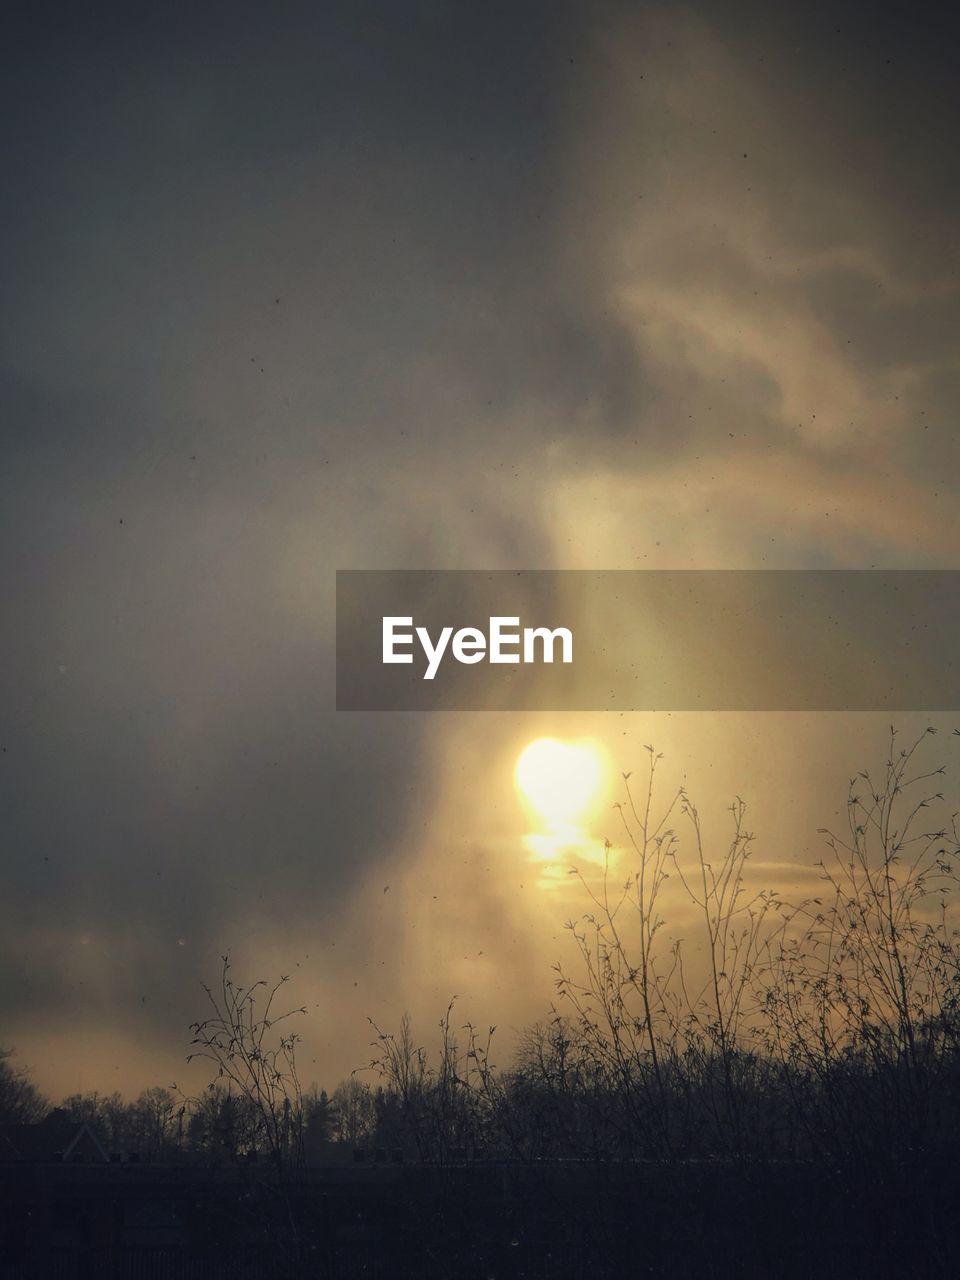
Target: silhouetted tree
x=20 y=1100
x=240 y=1039
x=354 y=1113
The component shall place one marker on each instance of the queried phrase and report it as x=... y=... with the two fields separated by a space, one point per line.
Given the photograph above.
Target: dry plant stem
x=261 y=1067
x=866 y=996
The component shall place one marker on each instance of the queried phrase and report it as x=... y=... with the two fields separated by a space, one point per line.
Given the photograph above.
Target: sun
x=559 y=780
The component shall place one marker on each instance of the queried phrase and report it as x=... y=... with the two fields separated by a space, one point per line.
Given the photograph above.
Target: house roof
x=49 y=1141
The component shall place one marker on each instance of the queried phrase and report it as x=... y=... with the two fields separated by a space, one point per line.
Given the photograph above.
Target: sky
x=303 y=287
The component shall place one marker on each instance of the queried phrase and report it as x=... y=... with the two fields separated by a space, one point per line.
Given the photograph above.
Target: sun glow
x=559 y=781
x=561 y=785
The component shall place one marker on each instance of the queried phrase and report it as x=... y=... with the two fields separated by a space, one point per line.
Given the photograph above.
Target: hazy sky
x=292 y=288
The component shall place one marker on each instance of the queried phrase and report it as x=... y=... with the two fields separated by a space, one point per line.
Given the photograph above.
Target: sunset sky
x=364 y=285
